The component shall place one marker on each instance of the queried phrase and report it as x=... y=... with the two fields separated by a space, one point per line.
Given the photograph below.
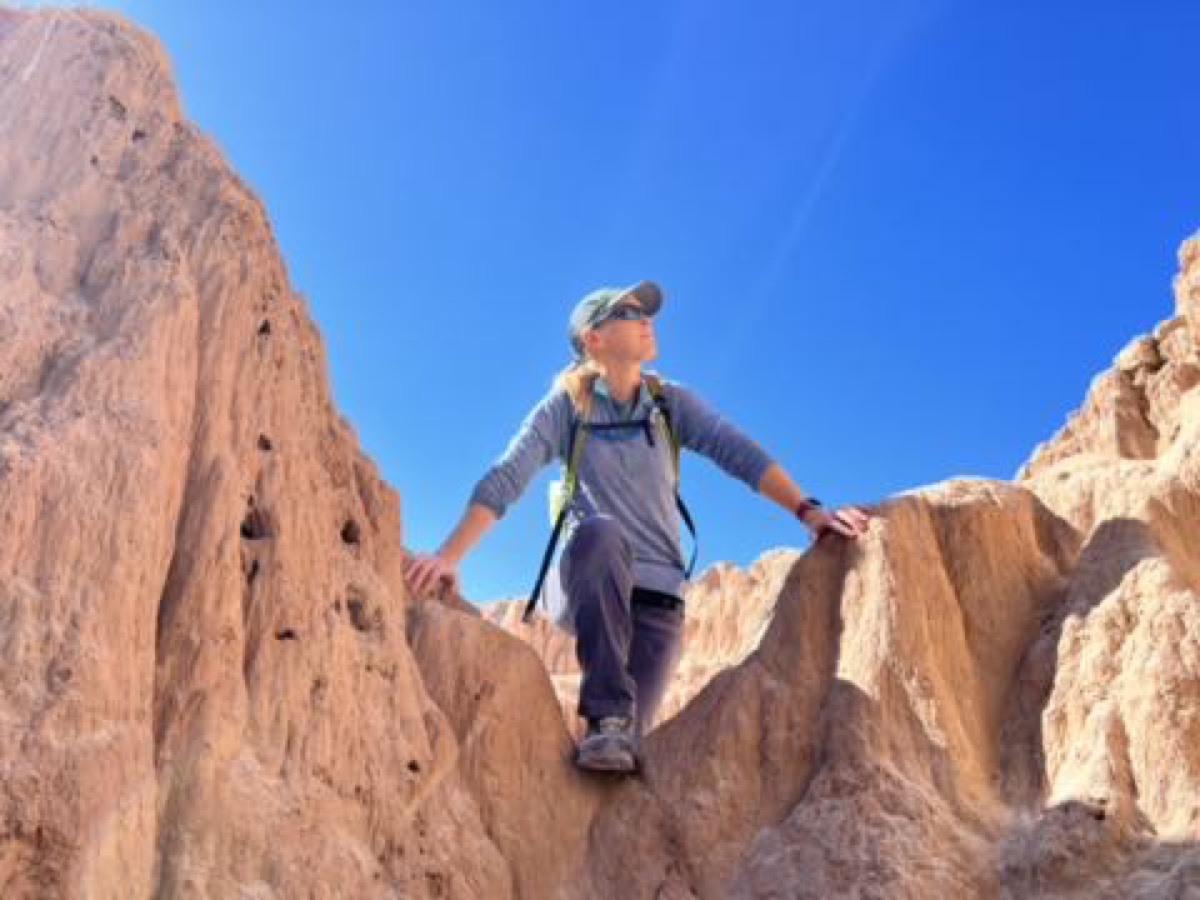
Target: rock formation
x=728 y=610
x=206 y=686
x=213 y=683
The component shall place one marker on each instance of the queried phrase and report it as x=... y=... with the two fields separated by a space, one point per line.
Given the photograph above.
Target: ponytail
x=577 y=379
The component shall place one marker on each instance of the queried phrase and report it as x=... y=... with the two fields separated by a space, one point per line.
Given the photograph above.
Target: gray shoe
x=608 y=746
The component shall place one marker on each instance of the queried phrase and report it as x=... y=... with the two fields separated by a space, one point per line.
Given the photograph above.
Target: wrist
x=806 y=507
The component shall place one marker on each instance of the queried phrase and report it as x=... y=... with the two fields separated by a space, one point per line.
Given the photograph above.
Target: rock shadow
x=1114 y=549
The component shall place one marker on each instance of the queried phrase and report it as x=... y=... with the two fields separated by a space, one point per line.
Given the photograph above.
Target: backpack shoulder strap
x=579 y=433
x=563 y=497
x=655 y=386
x=654 y=383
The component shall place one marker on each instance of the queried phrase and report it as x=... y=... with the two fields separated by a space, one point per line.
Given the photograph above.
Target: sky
x=897 y=238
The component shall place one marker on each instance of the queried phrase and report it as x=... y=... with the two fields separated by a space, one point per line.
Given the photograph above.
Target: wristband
x=805 y=506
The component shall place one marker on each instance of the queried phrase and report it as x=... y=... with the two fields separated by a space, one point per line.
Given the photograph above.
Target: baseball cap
x=593 y=308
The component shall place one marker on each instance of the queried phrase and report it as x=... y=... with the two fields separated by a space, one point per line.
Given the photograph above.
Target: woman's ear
x=592 y=341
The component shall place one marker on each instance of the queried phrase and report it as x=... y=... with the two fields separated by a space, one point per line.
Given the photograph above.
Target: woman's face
x=624 y=340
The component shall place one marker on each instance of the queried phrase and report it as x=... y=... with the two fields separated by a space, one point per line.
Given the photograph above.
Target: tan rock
x=213 y=684
x=727 y=611
x=205 y=687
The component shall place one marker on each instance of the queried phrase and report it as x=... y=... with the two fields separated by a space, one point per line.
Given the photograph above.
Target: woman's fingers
x=855 y=517
x=426 y=576
x=843 y=526
x=424 y=572
x=849 y=522
x=418 y=574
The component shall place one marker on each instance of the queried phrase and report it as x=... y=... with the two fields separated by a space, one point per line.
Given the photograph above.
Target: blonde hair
x=577 y=380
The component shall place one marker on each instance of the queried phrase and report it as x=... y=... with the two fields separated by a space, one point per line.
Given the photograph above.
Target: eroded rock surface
x=205 y=684
x=213 y=684
x=728 y=610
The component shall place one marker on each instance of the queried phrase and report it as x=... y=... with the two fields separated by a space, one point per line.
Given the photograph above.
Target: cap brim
x=648 y=294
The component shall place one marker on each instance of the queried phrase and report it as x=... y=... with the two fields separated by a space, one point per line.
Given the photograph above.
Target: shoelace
x=612 y=725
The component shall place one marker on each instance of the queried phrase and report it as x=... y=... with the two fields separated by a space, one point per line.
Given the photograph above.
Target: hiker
x=618 y=583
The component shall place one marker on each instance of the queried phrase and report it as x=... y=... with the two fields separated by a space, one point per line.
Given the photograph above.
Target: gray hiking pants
x=627 y=649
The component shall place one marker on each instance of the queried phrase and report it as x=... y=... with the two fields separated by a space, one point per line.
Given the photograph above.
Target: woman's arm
x=702 y=429
x=537 y=442
x=475 y=521
x=849 y=521
x=423 y=572
x=778 y=485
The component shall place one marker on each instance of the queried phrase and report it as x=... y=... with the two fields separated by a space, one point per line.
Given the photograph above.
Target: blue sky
x=898 y=239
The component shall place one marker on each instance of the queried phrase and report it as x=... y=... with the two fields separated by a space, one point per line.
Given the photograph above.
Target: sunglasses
x=626 y=313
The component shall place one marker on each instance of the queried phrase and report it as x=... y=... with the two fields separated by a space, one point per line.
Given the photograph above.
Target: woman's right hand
x=424 y=571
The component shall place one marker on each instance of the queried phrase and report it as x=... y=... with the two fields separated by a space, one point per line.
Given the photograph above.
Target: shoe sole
x=606 y=765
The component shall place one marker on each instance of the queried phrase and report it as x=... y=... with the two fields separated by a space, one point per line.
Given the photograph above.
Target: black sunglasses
x=626 y=313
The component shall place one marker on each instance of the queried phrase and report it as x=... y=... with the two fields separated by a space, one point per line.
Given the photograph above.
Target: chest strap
x=576 y=442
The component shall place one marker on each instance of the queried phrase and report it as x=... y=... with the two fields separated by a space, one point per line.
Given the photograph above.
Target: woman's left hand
x=849 y=521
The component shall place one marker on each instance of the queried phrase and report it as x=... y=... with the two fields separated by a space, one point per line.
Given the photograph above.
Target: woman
x=621 y=573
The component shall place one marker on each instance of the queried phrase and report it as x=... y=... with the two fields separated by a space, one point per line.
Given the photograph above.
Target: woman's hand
x=424 y=571
x=849 y=521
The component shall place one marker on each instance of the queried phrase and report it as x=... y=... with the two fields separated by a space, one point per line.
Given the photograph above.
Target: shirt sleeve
x=540 y=439
x=704 y=430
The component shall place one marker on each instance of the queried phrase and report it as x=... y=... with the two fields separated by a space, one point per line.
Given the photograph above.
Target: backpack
x=562 y=492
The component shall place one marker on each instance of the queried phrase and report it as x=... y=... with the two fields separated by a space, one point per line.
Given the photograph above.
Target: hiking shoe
x=608 y=746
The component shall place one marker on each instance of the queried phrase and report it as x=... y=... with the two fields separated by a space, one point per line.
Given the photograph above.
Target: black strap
x=615 y=426
x=558 y=525
x=660 y=401
x=687 y=517
x=546 y=557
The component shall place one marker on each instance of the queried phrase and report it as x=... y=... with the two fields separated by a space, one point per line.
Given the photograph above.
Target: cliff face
x=206 y=686
x=212 y=682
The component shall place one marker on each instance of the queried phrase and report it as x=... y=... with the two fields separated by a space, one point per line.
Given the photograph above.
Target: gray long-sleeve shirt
x=621 y=475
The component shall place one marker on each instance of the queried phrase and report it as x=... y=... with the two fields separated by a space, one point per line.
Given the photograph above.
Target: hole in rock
x=138 y=135
x=264 y=443
x=350 y=532
x=265 y=328
x=358 y=614
x=360 y=617
x=286 y=634
x=255 y=526
x=414 y=766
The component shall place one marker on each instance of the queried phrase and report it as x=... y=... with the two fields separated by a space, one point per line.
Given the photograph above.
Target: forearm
x=776 y=484
x=475 y=521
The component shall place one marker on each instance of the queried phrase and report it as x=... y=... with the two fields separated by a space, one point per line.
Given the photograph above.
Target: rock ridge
x=213 y=682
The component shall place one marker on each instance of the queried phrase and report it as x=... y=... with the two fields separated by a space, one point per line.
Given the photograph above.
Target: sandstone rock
x=727 y=611
x=213 y=684
x=206 y=686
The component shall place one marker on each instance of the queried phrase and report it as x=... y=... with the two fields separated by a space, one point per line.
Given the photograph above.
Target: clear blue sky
x=898 y=239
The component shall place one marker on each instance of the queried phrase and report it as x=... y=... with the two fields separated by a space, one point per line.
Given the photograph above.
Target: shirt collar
x=601 y=388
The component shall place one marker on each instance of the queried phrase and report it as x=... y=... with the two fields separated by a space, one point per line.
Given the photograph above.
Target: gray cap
x=593 y=308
